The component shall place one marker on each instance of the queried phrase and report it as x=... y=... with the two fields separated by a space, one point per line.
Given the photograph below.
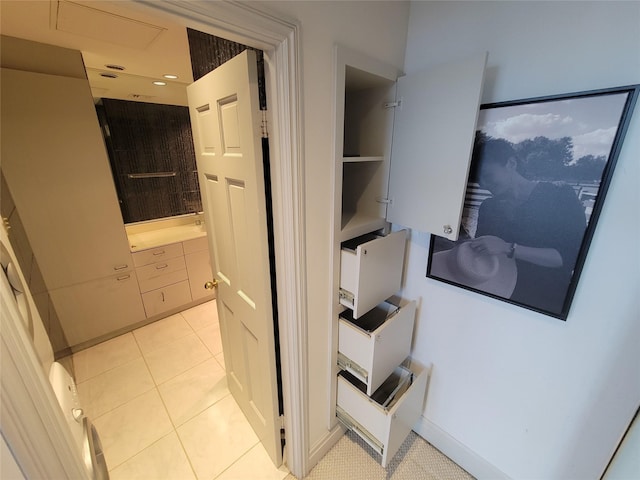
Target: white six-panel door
x=226 y=122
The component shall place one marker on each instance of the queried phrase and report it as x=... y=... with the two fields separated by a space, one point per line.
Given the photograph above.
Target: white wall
x=377 y=29
x=531 y=396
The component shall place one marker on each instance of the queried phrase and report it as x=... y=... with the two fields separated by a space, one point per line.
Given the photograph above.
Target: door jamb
x=279 y=39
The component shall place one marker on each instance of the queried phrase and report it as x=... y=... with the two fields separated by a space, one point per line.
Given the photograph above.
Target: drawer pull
x=124 y=277
x=120 y=267
x=159 y=252
x=160 y=267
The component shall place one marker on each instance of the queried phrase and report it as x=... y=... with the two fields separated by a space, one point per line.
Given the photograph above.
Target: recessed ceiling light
x=108 y=75
x=115 y=67
x=160 y=84
x=170 y=76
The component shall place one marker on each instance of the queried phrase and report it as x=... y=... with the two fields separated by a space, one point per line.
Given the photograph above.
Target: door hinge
x=393 y=104
x=264 y=131
x=282 y=424
x=386 y=201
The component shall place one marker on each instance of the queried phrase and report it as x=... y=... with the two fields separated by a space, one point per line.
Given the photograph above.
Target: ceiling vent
x=91 y=22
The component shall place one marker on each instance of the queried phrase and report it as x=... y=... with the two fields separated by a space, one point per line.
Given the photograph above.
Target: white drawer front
x=161 y=274
x=165 y=252
x=388 y=425
x=371 y=270
x=377 y=342
x=166 y=298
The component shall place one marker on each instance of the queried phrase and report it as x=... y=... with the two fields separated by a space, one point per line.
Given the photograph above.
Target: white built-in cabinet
x=173 y=275
x=402 y=153
x=56 y=167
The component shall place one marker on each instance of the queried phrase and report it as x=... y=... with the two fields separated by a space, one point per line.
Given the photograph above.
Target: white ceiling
x=109 y=32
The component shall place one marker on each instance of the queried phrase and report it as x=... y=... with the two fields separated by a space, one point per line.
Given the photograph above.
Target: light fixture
x=170 y=76
x=160 y=84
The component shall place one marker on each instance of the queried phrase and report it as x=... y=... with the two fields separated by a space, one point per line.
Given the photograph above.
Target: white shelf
x=363 y=159
x=354 y=225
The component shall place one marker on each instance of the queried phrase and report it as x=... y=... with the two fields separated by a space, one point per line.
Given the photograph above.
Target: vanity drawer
x=146 y=257
x=373 y=345
x=384 y=419
x=371 y=270
x=161 y=274
x=166 y=298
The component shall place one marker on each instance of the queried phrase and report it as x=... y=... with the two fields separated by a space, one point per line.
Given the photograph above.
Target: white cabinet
x=403 y=146
x=371 y=270
x=57 y=169
x=196 y=256
x=98 y=308
x=372 y=346
x=173 y=275
x=402 y=154
x=166 y=298
x=384 y=419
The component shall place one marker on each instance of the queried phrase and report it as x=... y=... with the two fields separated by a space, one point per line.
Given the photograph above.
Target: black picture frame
x=525 y=242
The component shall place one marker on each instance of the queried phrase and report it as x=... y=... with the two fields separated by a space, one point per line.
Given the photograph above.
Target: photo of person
x=535 y=174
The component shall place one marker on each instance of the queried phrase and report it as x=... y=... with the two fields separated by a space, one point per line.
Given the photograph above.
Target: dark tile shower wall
x=208 y=52
x=152 y=159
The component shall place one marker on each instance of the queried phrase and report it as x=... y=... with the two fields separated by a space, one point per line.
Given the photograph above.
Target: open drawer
x=372 y=346
x=384 y=419
x=371 y=270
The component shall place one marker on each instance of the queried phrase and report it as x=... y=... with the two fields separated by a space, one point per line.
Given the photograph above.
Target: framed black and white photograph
x=539 y=173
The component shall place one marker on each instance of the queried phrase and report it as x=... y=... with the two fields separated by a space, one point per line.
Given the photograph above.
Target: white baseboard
x=456 y=451
x=320 y=449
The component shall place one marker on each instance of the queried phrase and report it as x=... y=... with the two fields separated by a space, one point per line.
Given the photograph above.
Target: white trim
x=31 y=421
x=279 y=39
x=326 y=443
x=458 y=452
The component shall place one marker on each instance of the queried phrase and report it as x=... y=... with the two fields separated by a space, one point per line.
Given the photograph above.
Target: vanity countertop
x=163 y=234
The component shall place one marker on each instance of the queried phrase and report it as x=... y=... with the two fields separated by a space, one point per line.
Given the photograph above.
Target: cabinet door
x=199 y=269
x=166 y=298
x=433 y=138
x=90 y=310
x=56 y=167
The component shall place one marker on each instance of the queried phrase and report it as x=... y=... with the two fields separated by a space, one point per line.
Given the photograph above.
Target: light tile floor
x=159 y=399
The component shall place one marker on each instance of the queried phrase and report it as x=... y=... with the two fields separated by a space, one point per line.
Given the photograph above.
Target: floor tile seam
x=237 y=459
x=129 y=401
x=73 y=357
x=114 y=407
x=191 y=417
x=110 y=369
x=224 y=367
x=186 y=453
x=139 y=452
x=164 y=404
x=175 y=341
x=181 y=373
x=104 y=371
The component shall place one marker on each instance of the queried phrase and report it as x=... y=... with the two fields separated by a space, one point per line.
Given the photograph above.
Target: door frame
x=45 y=445
x=278 y=38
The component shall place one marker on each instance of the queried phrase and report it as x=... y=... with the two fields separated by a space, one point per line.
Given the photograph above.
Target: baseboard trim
x=326 y=443
x=458 y=452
